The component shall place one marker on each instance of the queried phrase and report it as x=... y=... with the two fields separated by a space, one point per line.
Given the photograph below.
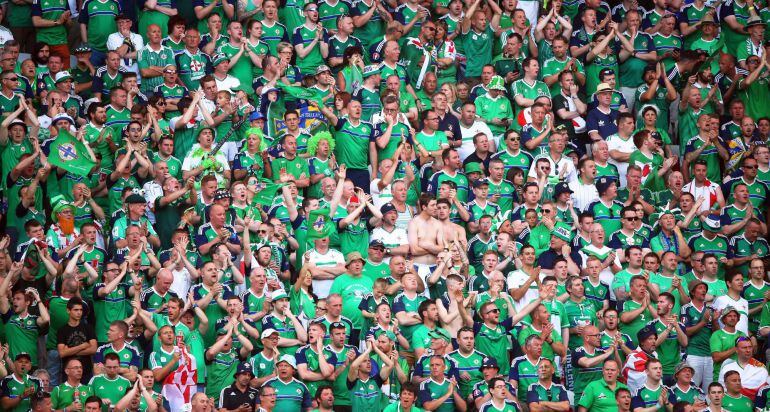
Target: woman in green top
x=446 y=57
x=351 y=77
x=301 y=297
x=649 y=116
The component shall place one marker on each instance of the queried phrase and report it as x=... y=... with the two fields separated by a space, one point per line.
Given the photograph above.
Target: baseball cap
x=278 y=294
x=322 y=68
x=645 y=333
x=23 y=355
x=62 y=76
x=376 y=243
x=489 y=363
x=371 y=70
x=387 y=207
x=244 y=367
x=560 y=188
x=222 y=194
x=439 y=333
x=288 y=359
x=480 y=182
x=219 y=58
x=267 y=333
x=603 y=184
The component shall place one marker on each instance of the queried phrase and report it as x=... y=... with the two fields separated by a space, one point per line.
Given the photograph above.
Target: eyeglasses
x=262 y=231
x=547 y=210
x=13 y=79
x=312 y=9
x=431 y=118
x=161 y=103
x=135 y=129
x=750 y=167
x=430 y=28
x=631 y=219
x=493 y=311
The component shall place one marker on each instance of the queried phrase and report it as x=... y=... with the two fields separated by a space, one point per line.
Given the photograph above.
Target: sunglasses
x=631 y=219
x=493 y=311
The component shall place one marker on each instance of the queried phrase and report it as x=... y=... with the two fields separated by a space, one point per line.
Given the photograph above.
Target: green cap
x=496 y=83
x=278 y=294
x=219 y=58
x=389 y=334
x=562 y=231
x=371 y=70
x=62 y=76
x=439 y=333
x=473 y=167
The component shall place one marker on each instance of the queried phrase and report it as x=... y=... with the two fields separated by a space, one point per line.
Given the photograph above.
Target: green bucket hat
x=496 y=83
x=473 y=167
x=562 y=231
x=371 y=70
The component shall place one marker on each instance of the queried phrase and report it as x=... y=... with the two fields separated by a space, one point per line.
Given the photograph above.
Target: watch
x=387 y=250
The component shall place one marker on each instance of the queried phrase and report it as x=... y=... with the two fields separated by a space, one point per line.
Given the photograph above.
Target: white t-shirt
x=115 y=40
x=379 y=197
x=615 y=142
x=570 y=175
x=741 y=305
x=515 y=280
x=394 y=239
x=467 y=146
x=583 y=195
x=181 y=283
x=329 y=259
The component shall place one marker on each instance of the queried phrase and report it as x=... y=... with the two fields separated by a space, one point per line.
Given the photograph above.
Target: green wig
x=312 y=143
x=257 y=131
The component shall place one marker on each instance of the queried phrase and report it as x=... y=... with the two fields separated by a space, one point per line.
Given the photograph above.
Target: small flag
x=70 y=154
x=266 y=196
x=320 y=224
x=303 y=93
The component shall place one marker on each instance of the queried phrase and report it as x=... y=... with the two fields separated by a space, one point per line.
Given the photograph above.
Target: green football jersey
x=12 y=387
x=637 y=323
x=721 y=341
x=149 y=57
x=221 y=372
x=99 y=16
x=112 y=389
x=352 y=148
x=63 y=395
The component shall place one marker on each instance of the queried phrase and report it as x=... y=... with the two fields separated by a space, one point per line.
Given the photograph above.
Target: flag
x=266 y=196
x=320 y=224
x=70 y=154
x=180 y=385
x=303 y=92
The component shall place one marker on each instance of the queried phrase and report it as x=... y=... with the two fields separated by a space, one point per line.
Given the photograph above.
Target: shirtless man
x=449 y=314
x=452 y=231
x=426 y=239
